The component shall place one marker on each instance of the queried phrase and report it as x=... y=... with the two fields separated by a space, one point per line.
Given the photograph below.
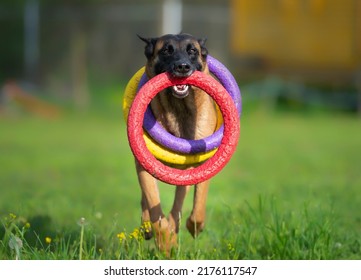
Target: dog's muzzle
x=181 y=69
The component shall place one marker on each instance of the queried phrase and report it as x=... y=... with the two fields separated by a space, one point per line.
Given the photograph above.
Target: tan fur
x=193 y=117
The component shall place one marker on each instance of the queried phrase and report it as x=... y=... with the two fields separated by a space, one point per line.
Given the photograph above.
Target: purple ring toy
x=188 y=146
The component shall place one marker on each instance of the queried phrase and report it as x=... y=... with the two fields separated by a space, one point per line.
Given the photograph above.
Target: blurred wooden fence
x=320 y=38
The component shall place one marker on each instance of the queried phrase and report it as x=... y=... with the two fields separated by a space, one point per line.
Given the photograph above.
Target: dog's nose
x=182 y=68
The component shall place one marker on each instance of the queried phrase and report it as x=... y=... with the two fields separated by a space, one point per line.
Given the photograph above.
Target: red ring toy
x=207 y=169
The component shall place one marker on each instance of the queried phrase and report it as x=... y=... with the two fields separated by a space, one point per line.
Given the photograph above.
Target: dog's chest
x=177 y=116
x=193 y=117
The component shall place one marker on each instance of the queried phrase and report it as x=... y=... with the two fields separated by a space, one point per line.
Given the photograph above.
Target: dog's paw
x=194 y=228
x=165 y=236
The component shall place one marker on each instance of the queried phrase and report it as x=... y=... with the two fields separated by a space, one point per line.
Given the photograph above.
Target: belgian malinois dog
x=187 y=112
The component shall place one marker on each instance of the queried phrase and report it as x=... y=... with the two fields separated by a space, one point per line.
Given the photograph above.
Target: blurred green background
x=63 y=146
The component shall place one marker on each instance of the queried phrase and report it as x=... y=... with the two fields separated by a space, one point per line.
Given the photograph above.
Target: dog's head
x=179 y=55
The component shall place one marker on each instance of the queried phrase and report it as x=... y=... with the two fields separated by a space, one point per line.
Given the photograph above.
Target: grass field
x=291 y=191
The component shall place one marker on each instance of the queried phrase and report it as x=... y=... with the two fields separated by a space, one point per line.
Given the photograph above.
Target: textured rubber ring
x=188 y=146
x=207 y=169
x=157 y=150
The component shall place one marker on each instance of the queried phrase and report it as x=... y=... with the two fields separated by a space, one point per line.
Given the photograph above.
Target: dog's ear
x=204 y=50
x=149 y=47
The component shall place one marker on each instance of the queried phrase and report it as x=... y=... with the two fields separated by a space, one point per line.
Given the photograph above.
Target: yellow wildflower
x=136 y=234
x=230 y=247
x=48 y=240
x=121 y=236
x=12 y=216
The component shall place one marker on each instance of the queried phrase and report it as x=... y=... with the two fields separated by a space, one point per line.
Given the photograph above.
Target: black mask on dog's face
x=179 y=55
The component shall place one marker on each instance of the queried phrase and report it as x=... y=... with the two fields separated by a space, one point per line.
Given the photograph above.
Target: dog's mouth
x=180 y=91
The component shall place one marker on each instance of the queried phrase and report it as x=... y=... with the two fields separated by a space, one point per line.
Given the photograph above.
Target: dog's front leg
x=176 y=212
x=152 y=211
x=195 y=222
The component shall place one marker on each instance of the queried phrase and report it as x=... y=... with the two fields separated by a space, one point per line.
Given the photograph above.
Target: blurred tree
x=79 y=66
x=31 y=39
x=11 y=32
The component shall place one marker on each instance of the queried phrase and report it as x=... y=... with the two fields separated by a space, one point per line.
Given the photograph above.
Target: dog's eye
x=192 y=51
x=168 y=50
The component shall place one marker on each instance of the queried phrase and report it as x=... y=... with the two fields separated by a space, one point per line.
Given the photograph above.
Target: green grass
x=291 y=191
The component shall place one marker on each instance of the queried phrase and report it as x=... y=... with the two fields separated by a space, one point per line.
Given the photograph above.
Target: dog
x=184 y=111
